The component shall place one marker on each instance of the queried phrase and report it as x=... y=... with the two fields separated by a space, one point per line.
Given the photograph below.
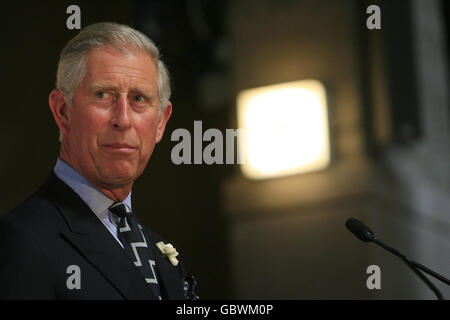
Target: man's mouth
x=120 y=147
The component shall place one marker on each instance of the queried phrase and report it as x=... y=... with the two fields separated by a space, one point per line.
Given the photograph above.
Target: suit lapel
x=95 y=243
x=169 y=275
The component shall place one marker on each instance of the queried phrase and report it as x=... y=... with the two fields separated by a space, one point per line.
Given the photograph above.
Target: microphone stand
x=414 y=266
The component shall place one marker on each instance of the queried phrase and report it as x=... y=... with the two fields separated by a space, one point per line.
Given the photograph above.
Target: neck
x=117 y=193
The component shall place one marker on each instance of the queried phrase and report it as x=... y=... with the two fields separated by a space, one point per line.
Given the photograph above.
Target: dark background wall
x=282 y=238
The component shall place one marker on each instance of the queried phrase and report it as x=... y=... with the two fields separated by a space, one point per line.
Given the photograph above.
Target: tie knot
x=120 y=209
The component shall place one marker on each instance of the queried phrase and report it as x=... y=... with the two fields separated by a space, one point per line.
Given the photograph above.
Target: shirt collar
x=97 y=201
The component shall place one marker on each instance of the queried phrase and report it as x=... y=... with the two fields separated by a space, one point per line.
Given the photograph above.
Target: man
x=77 y=237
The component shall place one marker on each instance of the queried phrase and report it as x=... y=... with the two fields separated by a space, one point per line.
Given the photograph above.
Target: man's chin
x=118 y=182
x=118 y=174
x=115 y=178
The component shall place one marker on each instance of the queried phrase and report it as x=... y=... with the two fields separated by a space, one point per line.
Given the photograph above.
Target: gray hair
x=72 y=62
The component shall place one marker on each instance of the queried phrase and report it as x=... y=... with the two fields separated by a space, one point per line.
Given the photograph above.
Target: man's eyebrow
x=145 y=93
x=104 y=86
x=98 y=86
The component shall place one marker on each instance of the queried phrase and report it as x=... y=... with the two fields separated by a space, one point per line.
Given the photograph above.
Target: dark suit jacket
x=54 y=229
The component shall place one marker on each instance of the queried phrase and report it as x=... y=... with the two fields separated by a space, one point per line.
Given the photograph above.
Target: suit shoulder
x=23 y=271
x=32 y=213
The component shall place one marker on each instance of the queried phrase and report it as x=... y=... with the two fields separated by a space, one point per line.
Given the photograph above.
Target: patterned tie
x=135 y=245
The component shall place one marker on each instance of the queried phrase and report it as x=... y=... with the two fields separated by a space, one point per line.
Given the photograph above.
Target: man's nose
x=121 y=115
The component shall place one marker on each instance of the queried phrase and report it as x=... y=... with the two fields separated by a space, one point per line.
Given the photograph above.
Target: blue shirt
x=95 y=199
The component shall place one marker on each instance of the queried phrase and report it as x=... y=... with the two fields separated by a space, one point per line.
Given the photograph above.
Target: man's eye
x=101 y=95
x=139 y=98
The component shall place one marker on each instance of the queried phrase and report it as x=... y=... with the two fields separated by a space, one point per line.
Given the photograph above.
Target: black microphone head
x=361 y=231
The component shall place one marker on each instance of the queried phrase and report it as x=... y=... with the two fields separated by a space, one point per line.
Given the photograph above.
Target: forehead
x=107 y=65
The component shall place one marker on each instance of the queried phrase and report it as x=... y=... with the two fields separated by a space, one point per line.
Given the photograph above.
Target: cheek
x=88 y=127
x=147 y=134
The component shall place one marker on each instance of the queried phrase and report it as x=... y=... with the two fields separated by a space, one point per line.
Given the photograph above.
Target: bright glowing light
x=286 y=129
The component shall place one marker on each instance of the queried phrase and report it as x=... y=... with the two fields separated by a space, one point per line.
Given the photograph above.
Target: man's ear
x=163 y=121
x=60 y=110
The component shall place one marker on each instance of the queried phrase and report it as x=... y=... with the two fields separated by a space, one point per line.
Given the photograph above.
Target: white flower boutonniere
x=169 y=252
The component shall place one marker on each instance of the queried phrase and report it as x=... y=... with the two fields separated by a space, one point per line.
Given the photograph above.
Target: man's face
x=113 y=124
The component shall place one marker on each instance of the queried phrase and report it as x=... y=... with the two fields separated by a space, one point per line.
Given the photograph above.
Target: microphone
x=363 y=233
